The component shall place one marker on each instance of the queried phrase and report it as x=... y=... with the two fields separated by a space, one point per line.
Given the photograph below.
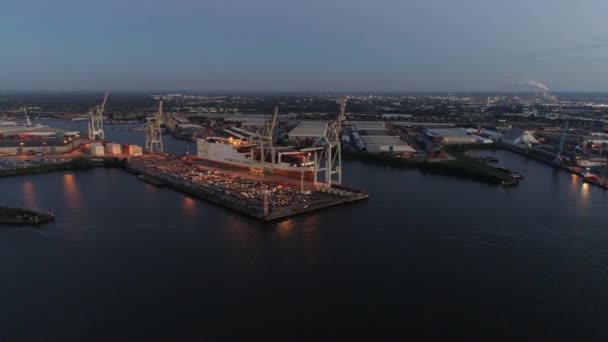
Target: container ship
x=287 y=161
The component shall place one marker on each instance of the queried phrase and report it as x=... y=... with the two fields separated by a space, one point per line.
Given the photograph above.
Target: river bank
x=461 y=165
x=23 y=216
x=78 y=163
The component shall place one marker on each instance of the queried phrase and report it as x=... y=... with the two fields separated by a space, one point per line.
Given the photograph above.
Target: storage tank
x=135 y=150
x=97 y=149
x=113 y=149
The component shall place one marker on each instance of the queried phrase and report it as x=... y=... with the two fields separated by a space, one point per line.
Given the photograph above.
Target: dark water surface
x=426 y=254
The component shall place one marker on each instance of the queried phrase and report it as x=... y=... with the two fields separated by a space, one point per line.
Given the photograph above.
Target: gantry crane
x=264 y=139
x=28 y=123
x=154 y=142
x=96 y=120
x=562 y=141
x=328 y=152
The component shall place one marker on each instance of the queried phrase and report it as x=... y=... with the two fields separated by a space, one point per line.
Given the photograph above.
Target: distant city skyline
x=313 y=45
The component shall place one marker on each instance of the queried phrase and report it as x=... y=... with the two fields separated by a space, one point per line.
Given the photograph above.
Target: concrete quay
x=252 y=196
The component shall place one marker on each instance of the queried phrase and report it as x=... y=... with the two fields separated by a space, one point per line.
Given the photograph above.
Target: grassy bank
x=22 y=216
x=462 y=165
x=78 y=163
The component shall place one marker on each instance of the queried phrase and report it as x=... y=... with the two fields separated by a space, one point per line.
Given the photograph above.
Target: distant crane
x=28 y=123
x=562 y=141
x=330 y=154
x=96 y=120
x=265 y=135
x=264 y=139
x=154 y=142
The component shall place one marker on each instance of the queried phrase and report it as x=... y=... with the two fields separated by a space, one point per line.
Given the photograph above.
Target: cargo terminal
x=37 y=140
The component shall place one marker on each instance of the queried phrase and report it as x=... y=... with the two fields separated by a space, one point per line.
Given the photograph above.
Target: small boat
x=513 y=174
x=590 y=178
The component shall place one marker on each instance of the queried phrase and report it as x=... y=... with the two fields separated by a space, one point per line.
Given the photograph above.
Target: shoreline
x=20 y=216
x=461 y=165
x=78 y=163
x=221 y=198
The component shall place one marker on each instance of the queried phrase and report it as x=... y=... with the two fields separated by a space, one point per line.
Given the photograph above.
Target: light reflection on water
x=188 y=207
x=573 y=179
x=585 y=193
x=285 y=228
x=71 y=191
x=29 y=195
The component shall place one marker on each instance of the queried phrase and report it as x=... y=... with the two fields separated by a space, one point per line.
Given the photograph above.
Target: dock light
x=65 y=142
x=21 y=143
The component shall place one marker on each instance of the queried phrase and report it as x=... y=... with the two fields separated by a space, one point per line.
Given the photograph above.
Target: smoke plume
x=536 y=84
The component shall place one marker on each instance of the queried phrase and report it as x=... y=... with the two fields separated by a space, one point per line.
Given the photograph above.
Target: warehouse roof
x=367 y=125
x=513 y=133
x=374 y=143
x=447 y=132
x=309 y=129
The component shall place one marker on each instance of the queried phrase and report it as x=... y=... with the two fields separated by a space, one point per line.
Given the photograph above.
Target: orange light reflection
x=188 y=206
x=29 y=195
x=585 y=193
x=285 y=228
x=70 y=189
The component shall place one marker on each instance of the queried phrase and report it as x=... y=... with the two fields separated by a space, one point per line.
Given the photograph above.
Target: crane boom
x=103 y=104
x=273 y=121
x=562 y=140
x=154 y=142
x=96 y=120
x=331 y=150
x=159 y=116
x=28 y=123
x=341 y=115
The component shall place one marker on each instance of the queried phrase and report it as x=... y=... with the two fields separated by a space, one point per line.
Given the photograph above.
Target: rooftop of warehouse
x=309 y=128
x=447 y=132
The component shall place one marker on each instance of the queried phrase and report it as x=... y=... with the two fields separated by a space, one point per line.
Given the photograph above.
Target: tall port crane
x=264 y=139
x=562 y=141
x=96 y=120
x=154 y=142
x=28 y=123
x=328 y=152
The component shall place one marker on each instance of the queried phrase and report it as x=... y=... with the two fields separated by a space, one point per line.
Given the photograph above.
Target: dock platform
x=257 y=197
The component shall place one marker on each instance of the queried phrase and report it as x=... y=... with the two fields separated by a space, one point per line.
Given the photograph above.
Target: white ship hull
x=226 y=153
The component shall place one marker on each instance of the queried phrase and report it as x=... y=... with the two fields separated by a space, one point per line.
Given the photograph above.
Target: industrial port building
x=374 y=138
x=450 y=136
x=37 y=139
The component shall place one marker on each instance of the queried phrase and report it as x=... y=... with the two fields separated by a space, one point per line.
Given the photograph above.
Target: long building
x=374 y=137
x=450 y=136
x=37 y=139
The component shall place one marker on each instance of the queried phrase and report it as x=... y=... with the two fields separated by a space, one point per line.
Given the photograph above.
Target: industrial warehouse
x=17 y=139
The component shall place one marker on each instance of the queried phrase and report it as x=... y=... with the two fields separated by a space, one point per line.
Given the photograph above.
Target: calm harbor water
x=426 y=254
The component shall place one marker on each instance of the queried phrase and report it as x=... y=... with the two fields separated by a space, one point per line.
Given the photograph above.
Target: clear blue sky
x=318 y=45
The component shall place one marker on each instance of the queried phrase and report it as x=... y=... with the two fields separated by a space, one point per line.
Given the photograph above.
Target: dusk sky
x=309 y=45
